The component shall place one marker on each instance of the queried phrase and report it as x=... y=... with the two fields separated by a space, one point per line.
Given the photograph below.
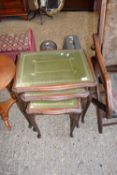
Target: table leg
x=34 y=124
x=4 y=108
x=74 y=122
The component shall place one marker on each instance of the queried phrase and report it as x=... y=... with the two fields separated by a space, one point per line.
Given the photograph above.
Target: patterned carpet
x=88 y=153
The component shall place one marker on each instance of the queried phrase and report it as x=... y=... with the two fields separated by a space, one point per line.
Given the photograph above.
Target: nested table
x=47 y=76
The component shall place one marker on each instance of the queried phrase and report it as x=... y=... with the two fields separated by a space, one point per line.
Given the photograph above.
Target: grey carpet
x=88 y=153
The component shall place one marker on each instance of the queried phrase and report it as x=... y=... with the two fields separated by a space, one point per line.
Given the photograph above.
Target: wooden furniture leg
x=74 y=122
x=99 y=112
x=34 y=124
x=4 y=108
x=85 y=107
x=98 y=95
x=22 y=106
x=75 y=118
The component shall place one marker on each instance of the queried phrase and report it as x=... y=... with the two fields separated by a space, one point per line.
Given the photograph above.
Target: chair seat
x=56 y=107
x=53 y=70
x=55 y=95
x=114 y=90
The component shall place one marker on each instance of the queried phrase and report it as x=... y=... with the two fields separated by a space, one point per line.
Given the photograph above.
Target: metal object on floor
x=71 y=42
x=48 y=45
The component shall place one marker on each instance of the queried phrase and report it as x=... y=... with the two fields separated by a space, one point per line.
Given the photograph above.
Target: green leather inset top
x=40 y=94
x=52 y=68
x=56 y=104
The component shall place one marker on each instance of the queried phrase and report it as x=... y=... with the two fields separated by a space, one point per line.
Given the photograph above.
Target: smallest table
x=7 y=72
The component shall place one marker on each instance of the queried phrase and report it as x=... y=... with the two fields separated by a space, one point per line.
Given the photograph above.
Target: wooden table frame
x=74 y=117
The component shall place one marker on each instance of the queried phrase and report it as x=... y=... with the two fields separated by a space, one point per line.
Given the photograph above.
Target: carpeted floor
x=88 y=153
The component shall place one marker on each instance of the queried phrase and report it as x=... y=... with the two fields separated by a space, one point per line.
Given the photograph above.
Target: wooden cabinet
x=79 y=5
x=14 y=8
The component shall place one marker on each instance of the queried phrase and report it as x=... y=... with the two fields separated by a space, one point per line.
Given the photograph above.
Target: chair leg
x=98 y=96
x=99 y=112
x=99 y=120
x=74 y=122
x=4 y=108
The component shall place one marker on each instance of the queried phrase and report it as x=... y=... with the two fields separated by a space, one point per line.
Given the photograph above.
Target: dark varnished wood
x=102 y=18
x=85 y=105
x=104 y=74
x=74 y=122
x=14 y=8
x=79 y=5
x=103 y=109
x=112 y=68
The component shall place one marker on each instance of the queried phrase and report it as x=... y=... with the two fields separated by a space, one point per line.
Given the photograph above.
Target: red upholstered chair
x=13 y=44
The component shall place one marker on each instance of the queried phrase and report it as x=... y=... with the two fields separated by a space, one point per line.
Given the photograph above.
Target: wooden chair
x=106 y=99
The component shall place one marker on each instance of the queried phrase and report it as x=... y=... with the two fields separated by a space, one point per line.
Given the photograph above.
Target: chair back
x=109 y=43
x=106 y=81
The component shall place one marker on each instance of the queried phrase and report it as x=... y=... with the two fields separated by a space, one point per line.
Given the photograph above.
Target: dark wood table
x=7 y=72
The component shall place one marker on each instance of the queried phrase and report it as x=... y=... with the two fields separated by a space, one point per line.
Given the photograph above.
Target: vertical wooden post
x=102 y=18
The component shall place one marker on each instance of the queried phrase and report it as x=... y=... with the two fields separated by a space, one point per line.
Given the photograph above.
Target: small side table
x=7 y=72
